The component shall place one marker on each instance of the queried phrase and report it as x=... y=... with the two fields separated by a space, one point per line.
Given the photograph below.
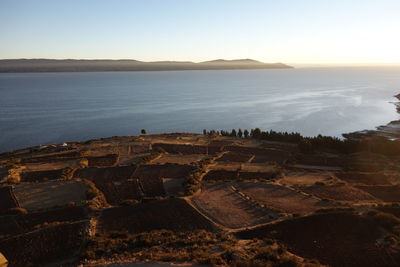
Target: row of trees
x=374 y=144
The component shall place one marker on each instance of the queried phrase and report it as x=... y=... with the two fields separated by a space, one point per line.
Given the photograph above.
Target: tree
x=256 y=133
x=233 y=133
x=246 y=133
x=204 y=131
x=143 y=131
x=240 y=133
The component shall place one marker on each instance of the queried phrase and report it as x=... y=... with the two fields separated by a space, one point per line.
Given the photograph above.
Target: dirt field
x=72 y=163
x=302 y=177
x=386 y=193
x=7 y=199
x=112 y=173
x=337 y=239
x=226 y=207
x=171 y=214
x=280 y=198
x=45 y=245
x=163 y=171
x=235 y=157
x=49 y=194
x=365 y=178
x=173 y=187
x=22 y=223
x=41 y=176
x=340 y=192
x=178 y=159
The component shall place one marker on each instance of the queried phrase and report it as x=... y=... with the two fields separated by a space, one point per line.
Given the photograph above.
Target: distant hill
x=81 y=65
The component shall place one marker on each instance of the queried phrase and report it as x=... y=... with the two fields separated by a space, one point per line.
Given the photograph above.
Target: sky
x=289 y=31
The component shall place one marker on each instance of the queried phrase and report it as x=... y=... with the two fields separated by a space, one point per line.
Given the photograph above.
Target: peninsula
x=83 y=65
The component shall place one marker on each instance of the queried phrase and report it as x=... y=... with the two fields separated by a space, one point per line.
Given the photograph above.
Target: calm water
x=42 y=108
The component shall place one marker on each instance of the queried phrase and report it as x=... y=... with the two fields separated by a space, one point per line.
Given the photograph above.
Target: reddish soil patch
x=280 y=145
x=301 y=177
x=262 y=155
x=280 y=197
x=112 y=173
x=366 y=178
x=319 y=160
x=226 y=207
x=220 y=143
x=243 y=175
x=36 y=196
x=247 y=150
x=52 y=158
x=395 y=210
x=336 y=239
x=44 y=246
x=181 y=149
x=172 y=214
x=221 y=175
x=366 y=161
x=164 y=170
x=102 y=161
x=114 y=182
x=178 y=159
x=18 y=224
x=152 y=186
x=40 y=176
x=341 y=192
x=235 y=157
x=7 y=199
x=387 y=193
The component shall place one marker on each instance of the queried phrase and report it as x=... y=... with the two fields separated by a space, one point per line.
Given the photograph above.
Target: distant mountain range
x=81 y=65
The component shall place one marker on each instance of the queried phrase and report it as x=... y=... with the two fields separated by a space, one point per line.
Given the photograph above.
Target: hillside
x=200 y=199
x=72 y=65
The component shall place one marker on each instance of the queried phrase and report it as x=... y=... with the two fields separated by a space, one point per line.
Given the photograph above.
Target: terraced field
x=216 y=200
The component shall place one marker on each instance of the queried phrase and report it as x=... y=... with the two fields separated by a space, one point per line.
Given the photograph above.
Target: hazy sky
x=302 y=31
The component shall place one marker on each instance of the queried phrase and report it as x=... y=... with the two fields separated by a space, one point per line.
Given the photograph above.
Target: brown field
x=320 y=160
x=226 y=207
x=173 y=187
x=170 y=214
x=49 y=194
x=340 y=192
x=18 y=224
x=72 y=163
x=303 y=177
x=335 y=239
x=394 y=210
x=113 y=173
x=163 y=171
x=280 y=145
x=178 y=159
x=323 y=205
x=225 y=175
x=49 y=244
x=365 y=178
x=221 y=175
x=280 y=197
x=41 y=176
x=102 y=161
x=115 y=182
x=235 y=157
x=7 y=199
x=53 y=157
x=182 y=148
x=387 y=193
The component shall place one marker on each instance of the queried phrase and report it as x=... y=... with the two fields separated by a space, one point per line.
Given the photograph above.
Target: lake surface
x=43 y=108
